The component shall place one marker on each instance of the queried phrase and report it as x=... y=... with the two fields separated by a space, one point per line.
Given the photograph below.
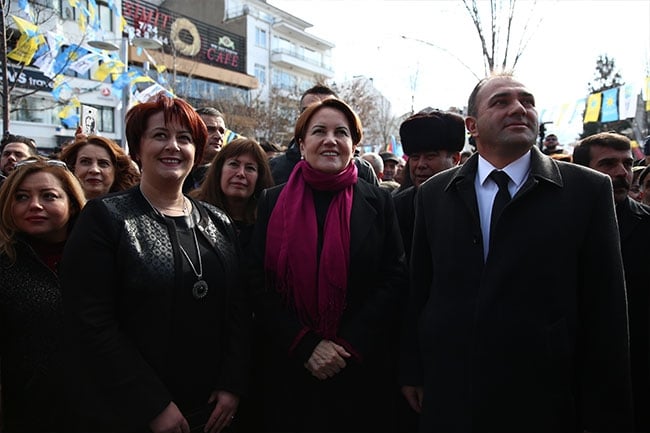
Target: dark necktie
x=502 y=198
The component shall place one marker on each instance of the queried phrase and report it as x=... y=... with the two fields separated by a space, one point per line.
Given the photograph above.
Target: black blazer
x=126 y=308
x=534 y=338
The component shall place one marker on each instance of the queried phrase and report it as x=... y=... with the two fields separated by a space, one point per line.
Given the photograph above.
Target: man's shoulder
x=405 y=194
x=640 y=209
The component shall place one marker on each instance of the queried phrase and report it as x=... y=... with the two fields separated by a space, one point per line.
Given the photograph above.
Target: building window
x=35 y=109
x=260 y=38
x=104 y=13
x=260 y=73
x=284 y=80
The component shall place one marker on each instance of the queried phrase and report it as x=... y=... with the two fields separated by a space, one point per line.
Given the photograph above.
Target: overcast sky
x=565 y=39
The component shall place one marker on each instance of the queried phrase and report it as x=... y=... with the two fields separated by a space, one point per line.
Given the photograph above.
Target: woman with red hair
x=152 y=293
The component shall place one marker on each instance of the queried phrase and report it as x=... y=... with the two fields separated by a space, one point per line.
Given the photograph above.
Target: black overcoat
x=534 y=338
x=294 y=400
x=634 y=228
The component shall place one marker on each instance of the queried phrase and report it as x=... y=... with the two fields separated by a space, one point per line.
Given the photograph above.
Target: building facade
x=241 y=50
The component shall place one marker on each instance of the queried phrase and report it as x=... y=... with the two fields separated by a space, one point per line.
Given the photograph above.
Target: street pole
x=5 y=74
x=126 y=93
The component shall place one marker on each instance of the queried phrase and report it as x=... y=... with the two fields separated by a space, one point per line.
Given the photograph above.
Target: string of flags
x=610 y=105
x=53 y=56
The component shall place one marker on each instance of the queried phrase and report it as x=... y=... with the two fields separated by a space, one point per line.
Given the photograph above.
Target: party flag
x=69 y=116
x=593 y=107
x=609 y=110
x=627 y=102
x=69 y=55
x=229 y=136
x=578 y=109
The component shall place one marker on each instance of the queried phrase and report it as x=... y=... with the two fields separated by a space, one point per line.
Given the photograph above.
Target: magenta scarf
x=316 y=290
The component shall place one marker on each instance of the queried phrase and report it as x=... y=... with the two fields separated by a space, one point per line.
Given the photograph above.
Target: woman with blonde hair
x=100 y=165
x=39 y=202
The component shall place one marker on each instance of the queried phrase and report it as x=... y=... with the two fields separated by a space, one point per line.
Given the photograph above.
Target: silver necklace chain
x=199 y=274
x=200 y=287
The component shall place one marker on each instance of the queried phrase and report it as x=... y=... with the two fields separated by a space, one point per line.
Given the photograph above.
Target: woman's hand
x=223 y=412
x=79 y=134
x=413 y=395
x=170 y=420
x=327 y=359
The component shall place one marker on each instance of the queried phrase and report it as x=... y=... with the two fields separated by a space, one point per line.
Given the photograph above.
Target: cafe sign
x=185 y=37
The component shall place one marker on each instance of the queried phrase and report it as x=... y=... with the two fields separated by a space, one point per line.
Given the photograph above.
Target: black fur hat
x=432 y=130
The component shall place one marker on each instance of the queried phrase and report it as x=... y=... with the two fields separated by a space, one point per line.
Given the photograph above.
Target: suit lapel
x=463 y=181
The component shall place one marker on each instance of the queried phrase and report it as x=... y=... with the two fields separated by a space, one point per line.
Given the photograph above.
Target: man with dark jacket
x=282 y=166
x=494 y=340
x=611 y=154
x=432 y=140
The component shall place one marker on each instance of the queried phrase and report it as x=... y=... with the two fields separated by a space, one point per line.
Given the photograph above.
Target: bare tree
x=11 y=99
x=373 y=109
x=497 y=37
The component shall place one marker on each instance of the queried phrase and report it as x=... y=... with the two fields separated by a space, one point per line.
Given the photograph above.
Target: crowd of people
x=193 y=285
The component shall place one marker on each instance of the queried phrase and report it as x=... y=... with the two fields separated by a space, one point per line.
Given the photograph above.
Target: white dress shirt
x=486 y=190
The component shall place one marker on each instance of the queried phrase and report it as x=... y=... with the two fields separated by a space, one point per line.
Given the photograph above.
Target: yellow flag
x=102 y=71
x=647 y=93
x=25 y=49
x=593 y=107
x=25 y=26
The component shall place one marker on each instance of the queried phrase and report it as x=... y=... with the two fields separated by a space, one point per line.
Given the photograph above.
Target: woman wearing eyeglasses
x=39 y=202
x=152 y=291
x=100 y=165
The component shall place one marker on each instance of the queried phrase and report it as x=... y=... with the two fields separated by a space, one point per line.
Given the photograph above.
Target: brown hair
x=210 y=190
x=611 y=140
x=69 y=183
x=174 y=109
x=356 y=130
x=126 y=175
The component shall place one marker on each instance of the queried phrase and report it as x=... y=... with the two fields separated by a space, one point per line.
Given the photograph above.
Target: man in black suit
x=611 y=154
x=494 y=340
x=432 y=140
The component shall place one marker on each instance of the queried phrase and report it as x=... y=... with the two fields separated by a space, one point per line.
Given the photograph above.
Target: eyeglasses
x=50 y=162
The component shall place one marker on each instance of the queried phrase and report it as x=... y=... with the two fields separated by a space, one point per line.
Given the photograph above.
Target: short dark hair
x=11 y=138
x=611 y=140
x=318 y=89
x=209 y=111
x=472 y=108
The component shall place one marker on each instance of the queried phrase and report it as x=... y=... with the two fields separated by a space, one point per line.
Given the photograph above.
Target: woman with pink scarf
x=328 y=278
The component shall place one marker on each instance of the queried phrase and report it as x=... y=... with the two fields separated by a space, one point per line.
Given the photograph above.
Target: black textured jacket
x=31 y=326
x=127 y=314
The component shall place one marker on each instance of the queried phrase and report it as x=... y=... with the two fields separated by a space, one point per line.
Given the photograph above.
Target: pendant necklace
x=200 y=288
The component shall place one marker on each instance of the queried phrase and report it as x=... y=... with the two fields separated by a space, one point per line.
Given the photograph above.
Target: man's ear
x=455 y=157
x=470 y=124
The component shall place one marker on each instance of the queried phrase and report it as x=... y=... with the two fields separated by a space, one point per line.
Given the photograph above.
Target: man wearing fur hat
x=432 y=140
